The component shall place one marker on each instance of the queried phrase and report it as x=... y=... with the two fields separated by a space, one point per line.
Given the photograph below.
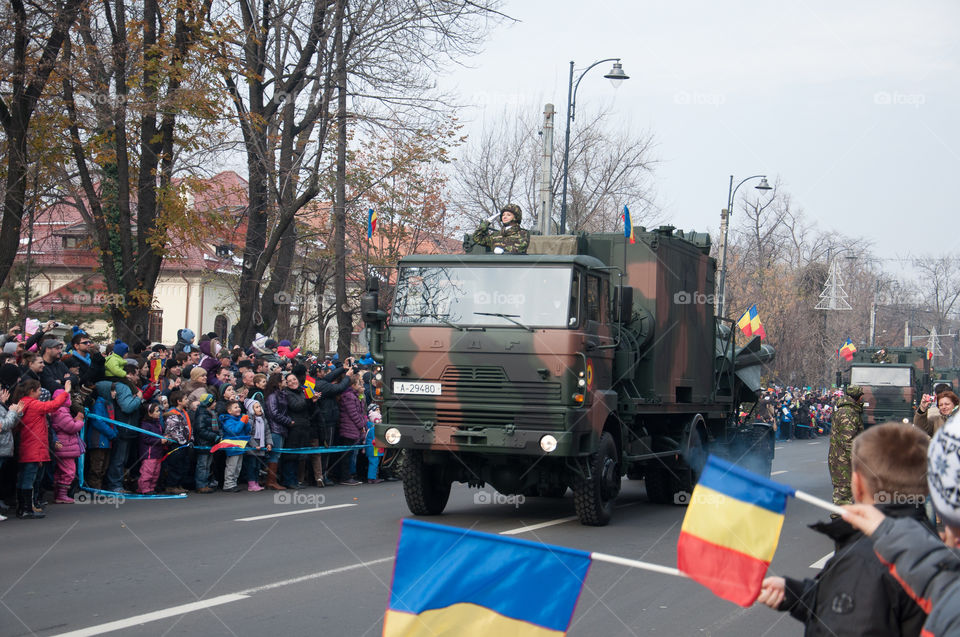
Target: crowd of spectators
x=76 y=413
x=798 y=412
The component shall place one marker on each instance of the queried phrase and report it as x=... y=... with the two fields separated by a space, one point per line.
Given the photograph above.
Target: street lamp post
x=731 y=194
x=615 y=75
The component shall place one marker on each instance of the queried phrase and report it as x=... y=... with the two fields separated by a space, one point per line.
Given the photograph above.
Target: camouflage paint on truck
x=586 y=359
x=891 y=390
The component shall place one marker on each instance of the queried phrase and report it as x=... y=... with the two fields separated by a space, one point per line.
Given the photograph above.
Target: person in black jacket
x=301 y=413
x=206 y=433
x=855 y=594
x=329 y=388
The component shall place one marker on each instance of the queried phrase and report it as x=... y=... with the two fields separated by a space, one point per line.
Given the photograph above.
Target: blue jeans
x=118 y=461
x=30 y=475
x=274 y=456
x=203 y=477
x=251 y=467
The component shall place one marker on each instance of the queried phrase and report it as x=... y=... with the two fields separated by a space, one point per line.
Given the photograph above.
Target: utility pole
x=546 y=172
x=873 y=315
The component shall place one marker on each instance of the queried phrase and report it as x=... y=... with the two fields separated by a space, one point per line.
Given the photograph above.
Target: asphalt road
x=322 y=563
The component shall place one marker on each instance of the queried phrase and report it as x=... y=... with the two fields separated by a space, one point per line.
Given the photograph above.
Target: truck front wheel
x=424 y=487
x=593 y=495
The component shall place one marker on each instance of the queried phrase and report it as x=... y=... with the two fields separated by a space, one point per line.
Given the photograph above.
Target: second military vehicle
x=893 y=380
x=588 y=359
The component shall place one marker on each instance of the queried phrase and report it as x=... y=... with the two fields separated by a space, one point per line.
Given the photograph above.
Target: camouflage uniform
x=847 y=424
x=880 y=356
x=512 y=238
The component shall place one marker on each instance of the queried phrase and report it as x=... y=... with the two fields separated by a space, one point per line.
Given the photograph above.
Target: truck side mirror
x=370 y=308
x=623 y=302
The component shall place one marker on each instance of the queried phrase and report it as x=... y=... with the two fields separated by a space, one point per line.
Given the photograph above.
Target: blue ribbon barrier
x=301 y=450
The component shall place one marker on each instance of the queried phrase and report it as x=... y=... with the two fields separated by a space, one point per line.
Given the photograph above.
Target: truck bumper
x=497 y=440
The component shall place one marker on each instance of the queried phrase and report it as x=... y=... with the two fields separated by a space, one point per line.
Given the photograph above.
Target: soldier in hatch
x=512 y=238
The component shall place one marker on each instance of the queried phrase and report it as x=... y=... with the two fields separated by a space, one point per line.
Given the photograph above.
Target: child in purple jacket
x=151 y=448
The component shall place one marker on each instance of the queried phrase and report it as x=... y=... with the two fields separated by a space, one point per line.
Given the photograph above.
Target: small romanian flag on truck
x=451 y=581
x=847 y=350
x=731 y=530
x=750 y=323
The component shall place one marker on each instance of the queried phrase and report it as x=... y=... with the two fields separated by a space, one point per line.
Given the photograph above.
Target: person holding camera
x=944 y=403
x=329 y=388
x=510 y=239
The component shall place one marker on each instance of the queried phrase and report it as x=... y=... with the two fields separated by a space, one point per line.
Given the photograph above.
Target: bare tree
x=38 y=37
x=609 y=167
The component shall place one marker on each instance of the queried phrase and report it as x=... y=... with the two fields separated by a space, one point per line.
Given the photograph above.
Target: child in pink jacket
x=67 y=421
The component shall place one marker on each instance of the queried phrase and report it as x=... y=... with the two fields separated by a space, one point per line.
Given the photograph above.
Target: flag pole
x=817 y=502
x=647 y=566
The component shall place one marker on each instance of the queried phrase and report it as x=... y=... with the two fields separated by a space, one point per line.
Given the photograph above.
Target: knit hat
x=206 y=399
x=285 y=343
x=120 y=348
x=76 y=329
x=10 y=347
x=943 y=471
x=270 y=344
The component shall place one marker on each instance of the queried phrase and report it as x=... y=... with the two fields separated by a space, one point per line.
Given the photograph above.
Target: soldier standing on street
x=847 y=425
x=512 y=238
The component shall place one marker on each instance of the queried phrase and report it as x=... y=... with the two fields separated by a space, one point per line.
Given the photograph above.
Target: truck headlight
x=392 y=435
x=548 y=443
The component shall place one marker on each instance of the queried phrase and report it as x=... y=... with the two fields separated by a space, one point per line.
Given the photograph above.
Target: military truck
x=585 y=360
x=893 y=381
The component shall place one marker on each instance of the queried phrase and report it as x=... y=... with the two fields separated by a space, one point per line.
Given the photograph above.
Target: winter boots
x=271 y=482
x=61 y=495
x=254 y=486
x=25 y=508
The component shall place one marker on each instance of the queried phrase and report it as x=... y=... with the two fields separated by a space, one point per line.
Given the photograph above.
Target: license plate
x=413 y=387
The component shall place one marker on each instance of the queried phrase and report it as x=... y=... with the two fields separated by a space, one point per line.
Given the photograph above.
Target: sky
x=852 y=106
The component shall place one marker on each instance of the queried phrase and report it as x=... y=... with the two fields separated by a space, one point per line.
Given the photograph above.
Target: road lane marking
x=778 y=448
x=534 y=527
x=822 y=561
x=317 y=575
x=814 y=443
x=156 y=615
x=183 y=609
x=777 y=473
x=297 y=512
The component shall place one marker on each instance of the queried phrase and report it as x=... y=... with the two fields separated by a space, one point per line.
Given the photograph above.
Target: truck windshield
x=473 y=296
x=880 y=376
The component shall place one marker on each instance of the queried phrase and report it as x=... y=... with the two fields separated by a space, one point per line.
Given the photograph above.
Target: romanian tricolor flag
x=452 y=581
x=929 y=354
x=309 y=387
x=847 y=350
x=156 y=368
x=750 y=323
x=371 y=222
x=731 y=530
x=228 y=444
x=628 y=225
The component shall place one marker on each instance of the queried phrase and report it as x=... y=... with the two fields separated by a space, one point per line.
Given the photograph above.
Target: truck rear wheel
x=593 y=496
x=424 y=487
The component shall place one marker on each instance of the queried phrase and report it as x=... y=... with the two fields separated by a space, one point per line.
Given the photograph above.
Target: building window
x=155 y=328
x=71 y=242
x=224 y=251
x=220 y=328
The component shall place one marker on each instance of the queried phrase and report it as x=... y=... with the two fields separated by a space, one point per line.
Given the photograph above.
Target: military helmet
x=854 y=391
x=515 y=209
